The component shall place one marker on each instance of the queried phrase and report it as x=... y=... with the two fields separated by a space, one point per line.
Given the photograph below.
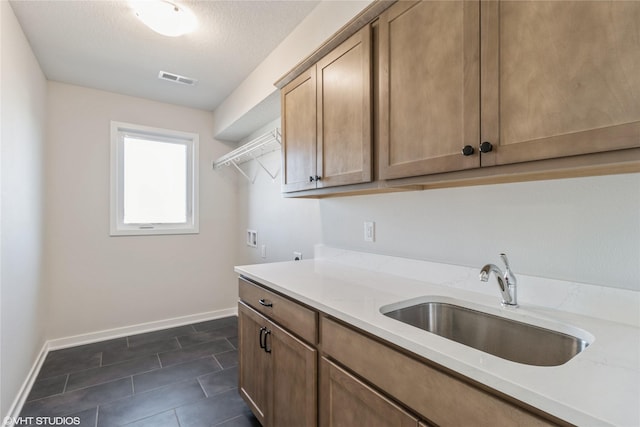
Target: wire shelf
x=252 y=150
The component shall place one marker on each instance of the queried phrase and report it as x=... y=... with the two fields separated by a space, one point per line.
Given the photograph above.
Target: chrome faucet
x=506 y=282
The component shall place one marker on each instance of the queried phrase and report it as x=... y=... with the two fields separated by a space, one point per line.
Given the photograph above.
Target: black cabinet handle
x=311 y=178
x=263 y=337
x=265 y=303
x=318 y=178
x=485 y=147
x=468 y=150
x=267 y=348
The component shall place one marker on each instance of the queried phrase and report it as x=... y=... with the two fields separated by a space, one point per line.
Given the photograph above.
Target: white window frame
x=191 y=140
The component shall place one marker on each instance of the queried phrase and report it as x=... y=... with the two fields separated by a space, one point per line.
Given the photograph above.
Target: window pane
x=155 y=182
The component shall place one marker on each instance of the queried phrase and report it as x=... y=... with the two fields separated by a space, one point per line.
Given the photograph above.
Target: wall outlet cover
x=369 y=231
x=252 y=238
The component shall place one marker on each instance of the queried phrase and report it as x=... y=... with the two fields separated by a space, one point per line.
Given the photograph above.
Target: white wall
x=100 y=282
x=283 y=225
x=583 y=229
x=22 y=294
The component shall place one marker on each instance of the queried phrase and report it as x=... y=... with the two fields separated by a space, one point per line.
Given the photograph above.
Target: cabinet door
x=254 y=363
x=345 y=401
x=559 y=78
x=344 y=113
x=429 y=96
x=294 y=380
x=298 y=100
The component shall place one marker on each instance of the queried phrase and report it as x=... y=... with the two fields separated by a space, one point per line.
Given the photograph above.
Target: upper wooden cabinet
x=534 y=79
x=559 y=78
x=298 y=101
x=326 y=119
x=429 y=87
x=529 y=89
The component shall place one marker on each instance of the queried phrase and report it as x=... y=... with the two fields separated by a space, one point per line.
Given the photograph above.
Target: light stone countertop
x=599 y=386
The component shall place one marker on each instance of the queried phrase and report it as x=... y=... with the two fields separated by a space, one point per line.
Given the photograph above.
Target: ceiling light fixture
x=166 y=18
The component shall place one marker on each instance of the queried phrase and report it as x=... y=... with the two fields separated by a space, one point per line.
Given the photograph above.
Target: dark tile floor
x=179 y=377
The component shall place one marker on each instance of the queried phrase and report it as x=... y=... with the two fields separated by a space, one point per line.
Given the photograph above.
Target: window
x=154 y=181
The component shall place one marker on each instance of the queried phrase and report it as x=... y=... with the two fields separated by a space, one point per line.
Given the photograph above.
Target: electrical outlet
x=297 y=256
x=263 y=251
x=252 y=238
x=369 y=231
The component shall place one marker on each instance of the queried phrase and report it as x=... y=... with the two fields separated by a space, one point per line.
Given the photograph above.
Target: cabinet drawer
x=433 y=394
x=294 y=317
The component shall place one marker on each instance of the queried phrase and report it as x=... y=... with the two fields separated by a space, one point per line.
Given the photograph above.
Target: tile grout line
x=175 y=414
x=218 y=362
x=206 y=396
x=228 y=419
x=66 y=381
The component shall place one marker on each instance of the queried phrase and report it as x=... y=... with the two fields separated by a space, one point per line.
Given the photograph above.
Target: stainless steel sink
x=502 y=337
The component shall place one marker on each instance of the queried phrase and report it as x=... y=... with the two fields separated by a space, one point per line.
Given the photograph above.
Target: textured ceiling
x=101 y=44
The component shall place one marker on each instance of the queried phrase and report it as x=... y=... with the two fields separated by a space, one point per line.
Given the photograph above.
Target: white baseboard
x=16 y=407
x=72 y=341
x=107 y=334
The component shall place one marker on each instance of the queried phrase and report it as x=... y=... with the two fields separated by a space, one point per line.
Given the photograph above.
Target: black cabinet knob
x=318 y=177
x=467 y=150
x=485 y=147
x=311 y=179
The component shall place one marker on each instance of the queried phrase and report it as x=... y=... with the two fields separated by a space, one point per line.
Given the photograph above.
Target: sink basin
x=508 y=339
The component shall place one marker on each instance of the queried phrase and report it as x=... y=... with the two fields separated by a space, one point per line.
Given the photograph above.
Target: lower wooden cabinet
x=293 y=377
x=254 y=362
x=429 y=392
x=345 y=401
x=277 y=372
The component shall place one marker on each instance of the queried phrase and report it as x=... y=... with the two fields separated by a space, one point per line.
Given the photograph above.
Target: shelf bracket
x=239 y=169
x=272 y=175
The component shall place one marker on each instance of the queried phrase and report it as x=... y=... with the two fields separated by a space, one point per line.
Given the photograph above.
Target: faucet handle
x=508 y=274
x=505 y=260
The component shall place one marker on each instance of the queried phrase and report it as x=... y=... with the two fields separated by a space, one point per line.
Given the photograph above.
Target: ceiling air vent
x=176 y=78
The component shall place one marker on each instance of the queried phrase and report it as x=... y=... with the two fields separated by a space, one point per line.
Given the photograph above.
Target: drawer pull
x=263 y=337
x=267 y=349
x=265 y=303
